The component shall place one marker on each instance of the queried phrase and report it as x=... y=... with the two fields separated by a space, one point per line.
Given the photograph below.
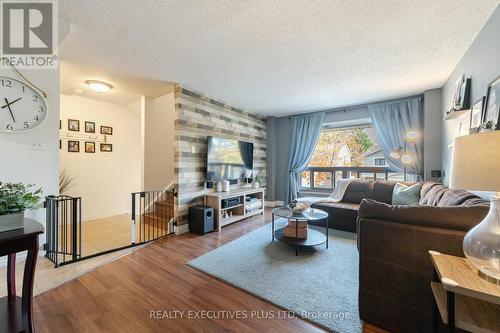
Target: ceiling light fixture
x=99 y=86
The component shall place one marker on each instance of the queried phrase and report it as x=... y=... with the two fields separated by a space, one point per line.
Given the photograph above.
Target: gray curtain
x=391 y=122
x=305 y=131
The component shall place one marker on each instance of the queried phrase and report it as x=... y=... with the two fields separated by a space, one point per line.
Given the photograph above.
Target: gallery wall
x=481 y=63
x=104 y=180
x=196 y=117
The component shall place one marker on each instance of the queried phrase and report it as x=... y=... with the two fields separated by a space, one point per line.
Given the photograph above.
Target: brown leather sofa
x=395 y=270
x=342 y=215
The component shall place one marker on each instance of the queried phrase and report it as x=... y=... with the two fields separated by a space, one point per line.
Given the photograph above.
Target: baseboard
x=181 y=229
x=273 y=203
x=104 y=214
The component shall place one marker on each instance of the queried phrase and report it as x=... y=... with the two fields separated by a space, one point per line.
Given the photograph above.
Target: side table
x=16 y=313
x=463 y=299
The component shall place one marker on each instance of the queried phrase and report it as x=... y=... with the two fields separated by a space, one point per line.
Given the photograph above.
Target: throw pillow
x=406 y=195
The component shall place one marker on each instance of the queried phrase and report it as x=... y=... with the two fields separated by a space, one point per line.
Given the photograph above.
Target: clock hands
x=9 y=103
x=8 y=106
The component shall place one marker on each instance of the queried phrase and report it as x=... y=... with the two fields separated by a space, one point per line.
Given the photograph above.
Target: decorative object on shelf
x=492 y=103
x=257 y=180
x=106 y=147
x=488 y=126
x=461 y=98
x=65 y=182
x=73 y=146
x=401 y=153
x=461 y=94
x=15 y=198
x=464 y=126
x=107 y=130
x=475 y=165
x=89 y=127
x=476 y=115
x=298 y=207
x=226 y=186
x=23 y=106
x=73 y=125
x=90 y=147
x=218 y=186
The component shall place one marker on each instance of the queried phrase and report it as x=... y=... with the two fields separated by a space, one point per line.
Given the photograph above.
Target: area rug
x=320 y=285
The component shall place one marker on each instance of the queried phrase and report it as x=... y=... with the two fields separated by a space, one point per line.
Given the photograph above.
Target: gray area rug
x=320 y=285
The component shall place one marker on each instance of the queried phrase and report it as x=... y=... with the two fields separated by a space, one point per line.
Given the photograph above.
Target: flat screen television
x=228 y=159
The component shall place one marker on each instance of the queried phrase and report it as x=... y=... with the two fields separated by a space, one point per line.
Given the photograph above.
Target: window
x=345 y=153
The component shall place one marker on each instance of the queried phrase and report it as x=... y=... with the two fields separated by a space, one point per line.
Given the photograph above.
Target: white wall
x=157 y=141
x=20 y=164
x=103 y=180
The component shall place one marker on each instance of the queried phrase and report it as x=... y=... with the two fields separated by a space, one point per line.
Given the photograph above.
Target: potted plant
x=257 y=179
x=15 y=198
x=488 y=126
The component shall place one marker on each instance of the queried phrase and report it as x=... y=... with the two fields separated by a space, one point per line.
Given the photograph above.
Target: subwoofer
x=201 y=219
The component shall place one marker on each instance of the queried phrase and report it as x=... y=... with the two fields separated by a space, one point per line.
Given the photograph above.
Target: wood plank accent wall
x=196 y=117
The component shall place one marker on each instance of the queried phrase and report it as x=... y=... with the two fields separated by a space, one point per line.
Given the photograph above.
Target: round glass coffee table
x=314 y=237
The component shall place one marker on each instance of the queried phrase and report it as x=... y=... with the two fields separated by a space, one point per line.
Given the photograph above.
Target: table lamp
x=476 y=166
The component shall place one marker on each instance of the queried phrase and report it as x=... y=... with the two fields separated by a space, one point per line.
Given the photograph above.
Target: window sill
x=318 y=193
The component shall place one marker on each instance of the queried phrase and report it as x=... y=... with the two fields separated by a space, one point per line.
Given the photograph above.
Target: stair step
x=165 y=203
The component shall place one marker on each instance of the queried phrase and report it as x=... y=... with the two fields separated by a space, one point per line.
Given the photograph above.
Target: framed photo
x=492 y=103
x=476 y=115
x=74 y=125
x=107 y=130
x=89 y=127
x=106 y=147
x=73 y=146
x=464 y=126
x=90 y=147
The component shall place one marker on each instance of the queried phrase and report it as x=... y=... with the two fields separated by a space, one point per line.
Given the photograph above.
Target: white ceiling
x=278 y=57
x=126 y=90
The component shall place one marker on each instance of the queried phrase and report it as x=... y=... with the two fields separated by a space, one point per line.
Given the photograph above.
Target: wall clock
x=22 y=108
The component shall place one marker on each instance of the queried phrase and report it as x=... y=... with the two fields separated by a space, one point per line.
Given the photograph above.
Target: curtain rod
x=357 y=106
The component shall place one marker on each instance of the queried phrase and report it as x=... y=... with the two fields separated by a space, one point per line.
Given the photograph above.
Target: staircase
x=161 y=212
x=152 y=212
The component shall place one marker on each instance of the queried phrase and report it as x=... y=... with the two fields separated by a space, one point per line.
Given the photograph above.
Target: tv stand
x=239 y=212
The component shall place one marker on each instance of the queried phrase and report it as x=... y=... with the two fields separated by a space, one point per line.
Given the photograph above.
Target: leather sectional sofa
x=395 y=269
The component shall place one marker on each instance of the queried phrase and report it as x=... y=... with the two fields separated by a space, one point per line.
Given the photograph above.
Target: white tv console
x=214 y=200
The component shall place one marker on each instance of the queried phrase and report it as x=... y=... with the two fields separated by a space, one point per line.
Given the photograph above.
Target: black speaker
x=201 y=219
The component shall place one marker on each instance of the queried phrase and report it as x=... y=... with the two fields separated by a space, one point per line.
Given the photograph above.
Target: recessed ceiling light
x=99 y=86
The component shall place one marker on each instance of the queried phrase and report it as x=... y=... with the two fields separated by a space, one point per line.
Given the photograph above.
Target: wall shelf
x=455 y=114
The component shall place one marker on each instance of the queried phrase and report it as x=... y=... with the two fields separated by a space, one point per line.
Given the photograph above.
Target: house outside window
x=345 y=153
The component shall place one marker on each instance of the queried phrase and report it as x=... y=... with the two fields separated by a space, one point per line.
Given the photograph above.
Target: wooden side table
x=16 y=313
x=463 y=299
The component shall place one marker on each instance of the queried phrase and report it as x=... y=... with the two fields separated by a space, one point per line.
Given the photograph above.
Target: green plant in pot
x=15 y=198
x=257 y=180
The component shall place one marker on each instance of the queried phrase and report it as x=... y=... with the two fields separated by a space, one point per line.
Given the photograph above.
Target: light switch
x=193 y=149
x=36 y=146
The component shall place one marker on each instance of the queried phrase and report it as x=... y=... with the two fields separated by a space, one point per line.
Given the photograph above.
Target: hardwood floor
x=120 y=296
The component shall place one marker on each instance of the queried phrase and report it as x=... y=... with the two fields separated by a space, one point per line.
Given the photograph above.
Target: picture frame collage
x=73 y=125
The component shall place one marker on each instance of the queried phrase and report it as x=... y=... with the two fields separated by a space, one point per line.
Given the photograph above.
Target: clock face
x=21 y=107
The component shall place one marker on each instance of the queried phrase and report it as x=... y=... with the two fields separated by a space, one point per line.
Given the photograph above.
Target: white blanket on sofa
x=336 y=196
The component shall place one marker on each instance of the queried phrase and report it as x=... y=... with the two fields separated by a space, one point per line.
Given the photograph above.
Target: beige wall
x=103 y=180
x=157 y=116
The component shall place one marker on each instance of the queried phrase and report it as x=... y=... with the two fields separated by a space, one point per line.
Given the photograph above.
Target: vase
x=482 y=244
x=255 y=184
x=11 y=221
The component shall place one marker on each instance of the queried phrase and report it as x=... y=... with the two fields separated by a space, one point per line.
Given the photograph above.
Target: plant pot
x=11 y=221
x=255 y=185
